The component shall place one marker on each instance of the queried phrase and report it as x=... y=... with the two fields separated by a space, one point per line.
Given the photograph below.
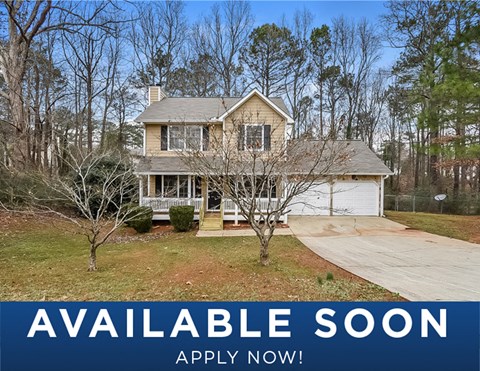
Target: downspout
x=382 y=195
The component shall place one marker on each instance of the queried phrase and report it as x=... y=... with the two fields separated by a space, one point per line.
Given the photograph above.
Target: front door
x=214 y=200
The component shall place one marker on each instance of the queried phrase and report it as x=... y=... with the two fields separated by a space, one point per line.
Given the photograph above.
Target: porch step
x=211 y=222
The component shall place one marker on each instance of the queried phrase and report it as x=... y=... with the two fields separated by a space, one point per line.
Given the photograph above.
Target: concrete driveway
x=418 y=265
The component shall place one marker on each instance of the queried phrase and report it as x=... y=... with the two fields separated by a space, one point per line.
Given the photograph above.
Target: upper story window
x=184 y=138
x=255 y=137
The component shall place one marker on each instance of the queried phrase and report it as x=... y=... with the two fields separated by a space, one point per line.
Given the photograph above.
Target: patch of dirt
x=244 y=225
x=22 y=220
x=127 y=234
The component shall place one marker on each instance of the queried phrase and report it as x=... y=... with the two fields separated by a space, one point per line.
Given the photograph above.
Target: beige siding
x=253 y=111
x=153 y=139
x=216 y=135
x=256 y=111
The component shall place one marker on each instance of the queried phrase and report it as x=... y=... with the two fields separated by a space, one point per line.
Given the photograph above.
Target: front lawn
x=462 y=227
x=39 y=260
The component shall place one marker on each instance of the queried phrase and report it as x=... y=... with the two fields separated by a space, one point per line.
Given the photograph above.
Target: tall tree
x=268 y=57
x=418 y=27
x=221 y=35
x=157 y=39
x=26 y=20
x=84 y=52
x=319 y=48
x=298 y=78
x=358 y=47
x=196 y=78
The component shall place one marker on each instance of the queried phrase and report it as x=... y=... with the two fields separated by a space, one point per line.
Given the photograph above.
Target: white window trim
x=190 y=184
x=263 y=138
x=184 y=137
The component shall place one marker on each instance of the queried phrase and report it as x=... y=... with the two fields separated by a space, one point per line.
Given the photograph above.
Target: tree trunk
x=89 y=114
x=264 y=242
x=264 y=254
x=92 y=265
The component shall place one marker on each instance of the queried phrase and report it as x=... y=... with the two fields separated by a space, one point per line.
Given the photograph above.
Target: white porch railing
x=164 y=204
x=262 y=204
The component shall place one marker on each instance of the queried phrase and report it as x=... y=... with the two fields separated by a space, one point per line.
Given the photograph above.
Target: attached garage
x=355 y=187
x=356 y=198
x=315 y=201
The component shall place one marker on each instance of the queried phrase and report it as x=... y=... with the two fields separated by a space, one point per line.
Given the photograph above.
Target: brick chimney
x=155 y=94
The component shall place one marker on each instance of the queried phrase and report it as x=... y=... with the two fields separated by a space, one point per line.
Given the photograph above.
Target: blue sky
x=324 y=11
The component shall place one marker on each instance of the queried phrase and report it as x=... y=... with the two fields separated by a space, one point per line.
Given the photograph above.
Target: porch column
x=331 y=197
x=148 y=185
x=140 y=190
x=189 y=192
x=236 y=214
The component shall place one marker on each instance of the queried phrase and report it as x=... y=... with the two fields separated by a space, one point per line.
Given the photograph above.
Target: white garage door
x=355 y=198
x=315 y=201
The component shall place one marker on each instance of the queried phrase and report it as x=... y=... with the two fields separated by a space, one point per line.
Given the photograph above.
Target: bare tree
x=99 y=186
x=262 y=174
x=84 y=52
x=157 y=37
x=359 y=49
x=25 y=21
x=372 y=107
x=221 y=35
x=299 y=77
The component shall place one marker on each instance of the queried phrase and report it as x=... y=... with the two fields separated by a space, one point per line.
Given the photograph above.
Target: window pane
x=158 y=185
x=254 y=137
x=196 y=187
x=176 y=137
x=170 y=186
x=183 y=187
x=269 y=187
x=193 y=137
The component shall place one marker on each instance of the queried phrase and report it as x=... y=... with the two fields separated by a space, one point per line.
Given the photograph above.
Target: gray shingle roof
x=179 y=110
x=360 y=160
x=364 y=161
x=354 y=155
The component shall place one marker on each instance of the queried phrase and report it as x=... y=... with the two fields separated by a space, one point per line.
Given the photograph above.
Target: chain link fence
x=464 y=204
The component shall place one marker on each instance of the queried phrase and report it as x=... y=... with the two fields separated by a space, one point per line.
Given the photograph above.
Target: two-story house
x=182 y=124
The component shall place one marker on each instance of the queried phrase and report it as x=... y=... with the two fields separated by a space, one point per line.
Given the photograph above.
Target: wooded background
x=75 y=74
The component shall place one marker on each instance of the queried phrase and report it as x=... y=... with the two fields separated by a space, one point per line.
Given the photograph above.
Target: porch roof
x=355 y=158
x=162 y=165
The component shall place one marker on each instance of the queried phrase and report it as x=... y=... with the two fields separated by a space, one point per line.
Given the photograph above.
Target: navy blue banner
x=242 y=336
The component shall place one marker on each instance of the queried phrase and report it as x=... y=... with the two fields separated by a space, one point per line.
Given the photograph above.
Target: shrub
x=143 y=222
x=181 y=217
x=329 y=276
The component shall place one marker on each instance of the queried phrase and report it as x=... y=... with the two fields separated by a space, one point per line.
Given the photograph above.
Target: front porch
x=228 y=209
x=162 y=191
x=160 y=205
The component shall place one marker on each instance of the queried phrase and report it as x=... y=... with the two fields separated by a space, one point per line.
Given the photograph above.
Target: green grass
x=43 y=262
x=462 y=227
